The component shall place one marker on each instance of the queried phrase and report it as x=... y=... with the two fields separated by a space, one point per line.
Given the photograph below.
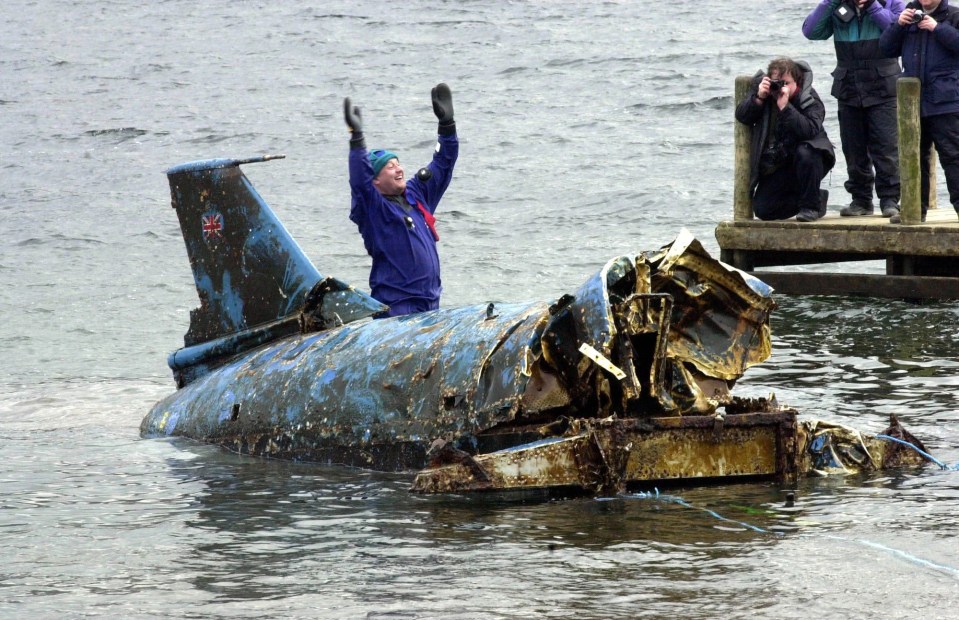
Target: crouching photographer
x=791 y=152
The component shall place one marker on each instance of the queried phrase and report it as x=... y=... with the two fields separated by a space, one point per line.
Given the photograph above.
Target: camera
x=845 y=12
x=919 y=15
x=776 y=85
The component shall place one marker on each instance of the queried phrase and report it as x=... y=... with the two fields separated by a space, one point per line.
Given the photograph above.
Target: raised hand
x=354 y=120
x=442 y=103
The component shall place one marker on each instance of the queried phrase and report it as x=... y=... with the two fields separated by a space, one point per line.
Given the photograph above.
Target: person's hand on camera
x=763 y=91
x=782 y=98
x=928 y=23
x=905 y=18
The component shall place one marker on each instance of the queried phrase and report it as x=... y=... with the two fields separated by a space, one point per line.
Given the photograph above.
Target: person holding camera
x=926 y=35
x=791 y=152
x=395 y=216
x=864 y=84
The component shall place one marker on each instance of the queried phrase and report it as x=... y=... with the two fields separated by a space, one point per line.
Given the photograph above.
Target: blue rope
x=899 y=553
x=905 y=555
x=672 y=499
x=891 y=550
x=922 y=452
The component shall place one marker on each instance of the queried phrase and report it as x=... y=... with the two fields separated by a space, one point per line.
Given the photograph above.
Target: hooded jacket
x=933 y=57
x=800 y=122
x=864 y=75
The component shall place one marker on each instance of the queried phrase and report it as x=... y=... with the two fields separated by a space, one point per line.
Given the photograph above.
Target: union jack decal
x=212 y=226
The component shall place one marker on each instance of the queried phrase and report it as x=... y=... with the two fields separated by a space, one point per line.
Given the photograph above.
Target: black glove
x=443 y=108
x=354 y=120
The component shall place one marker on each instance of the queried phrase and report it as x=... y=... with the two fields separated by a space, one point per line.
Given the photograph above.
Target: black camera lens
x=775 y=85
x=918 y=16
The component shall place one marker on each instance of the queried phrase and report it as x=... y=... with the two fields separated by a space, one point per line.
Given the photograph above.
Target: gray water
x=588 y=129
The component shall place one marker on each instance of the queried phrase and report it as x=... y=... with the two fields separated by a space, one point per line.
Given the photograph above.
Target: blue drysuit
x=406 y=266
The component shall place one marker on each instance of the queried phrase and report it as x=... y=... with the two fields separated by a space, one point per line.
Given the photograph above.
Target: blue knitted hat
x=379 y=158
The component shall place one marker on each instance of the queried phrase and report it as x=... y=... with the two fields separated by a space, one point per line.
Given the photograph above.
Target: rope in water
x=922 y=452
x=905 y=555
x=655 y=495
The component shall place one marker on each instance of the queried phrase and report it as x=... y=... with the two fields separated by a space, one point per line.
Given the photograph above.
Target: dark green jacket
x=864 y=76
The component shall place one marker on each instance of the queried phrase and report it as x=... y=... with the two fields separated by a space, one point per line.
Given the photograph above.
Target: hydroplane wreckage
x=625 y=381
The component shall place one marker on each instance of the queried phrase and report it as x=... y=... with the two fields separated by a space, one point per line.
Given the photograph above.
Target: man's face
x=790 y=83
x=929 y=5
x=390 y=181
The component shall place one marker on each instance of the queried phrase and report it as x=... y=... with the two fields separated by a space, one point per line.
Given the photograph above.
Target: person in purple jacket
x=926 y=35
x=395 y=215
x=864 y=84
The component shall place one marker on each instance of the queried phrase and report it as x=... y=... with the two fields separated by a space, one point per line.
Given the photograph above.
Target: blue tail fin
x=249 y=272
x=248 y=269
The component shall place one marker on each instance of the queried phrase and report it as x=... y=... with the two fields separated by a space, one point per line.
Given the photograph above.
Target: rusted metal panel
x=606 y=455
x=699 y=453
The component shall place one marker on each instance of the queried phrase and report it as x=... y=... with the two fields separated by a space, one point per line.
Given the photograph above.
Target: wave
x=712 y=103
x=119 y=134
x=57 y=238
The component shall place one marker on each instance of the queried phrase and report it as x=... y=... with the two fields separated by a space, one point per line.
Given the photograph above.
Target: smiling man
x=395 y=214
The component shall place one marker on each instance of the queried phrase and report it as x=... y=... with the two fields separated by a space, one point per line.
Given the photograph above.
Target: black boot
x=807 y=214
x=857 y=207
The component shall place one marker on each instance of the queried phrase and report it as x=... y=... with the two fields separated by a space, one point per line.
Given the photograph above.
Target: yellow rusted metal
x=608 y=454
x=699 y=453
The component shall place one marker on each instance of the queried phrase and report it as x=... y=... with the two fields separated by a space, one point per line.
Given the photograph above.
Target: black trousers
x=942 y=131
x=870 y=139
x=794 y=187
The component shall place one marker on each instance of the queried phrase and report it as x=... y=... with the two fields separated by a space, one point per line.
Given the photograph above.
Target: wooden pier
x=922 y=258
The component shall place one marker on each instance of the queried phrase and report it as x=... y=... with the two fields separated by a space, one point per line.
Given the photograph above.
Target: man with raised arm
x=395 y=214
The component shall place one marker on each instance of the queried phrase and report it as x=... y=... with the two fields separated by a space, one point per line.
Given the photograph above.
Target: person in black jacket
x=791 y=152
x=929 y=45
x=864 y=85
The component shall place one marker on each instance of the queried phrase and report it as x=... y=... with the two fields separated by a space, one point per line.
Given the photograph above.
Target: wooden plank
x=859 y=235
x=778 y=258
x=857 y=284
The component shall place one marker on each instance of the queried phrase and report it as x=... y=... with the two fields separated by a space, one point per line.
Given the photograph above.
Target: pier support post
x=742 y=203
x=907 y=93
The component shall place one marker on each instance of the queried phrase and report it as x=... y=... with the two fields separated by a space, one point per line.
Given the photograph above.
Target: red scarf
x=430 y=220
